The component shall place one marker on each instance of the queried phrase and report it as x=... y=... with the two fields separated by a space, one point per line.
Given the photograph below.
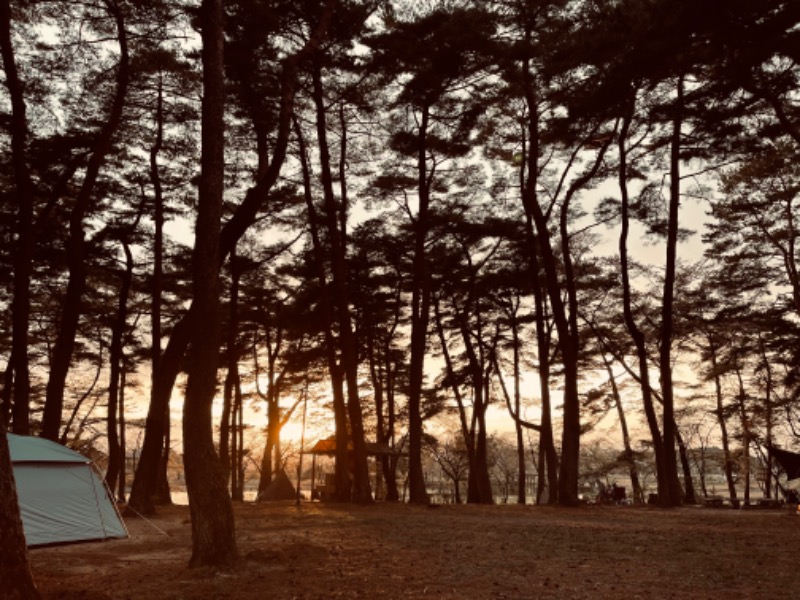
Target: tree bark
x=548 y=467
x=420 y=313
x=272 y=399
x=226 y=440
x=15 y=572
x=122 y=482
x=341 y=474
x=146 y=479
x=213 y=541
x=741 y=401
x=479 y=469
x=768 y=416
x=160 y=481
x=467 y=430
x=564 y=313
x=348 y=351
x=382 y=376
x=633 y=471
x=76 y=245
x=145 y=483
x=116 y=452
x=24 y=191
x=521 y=462
x=636 y=334
x=683 y=454
x=673 y=496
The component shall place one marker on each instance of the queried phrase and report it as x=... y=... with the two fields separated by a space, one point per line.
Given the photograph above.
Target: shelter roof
x=327 y=447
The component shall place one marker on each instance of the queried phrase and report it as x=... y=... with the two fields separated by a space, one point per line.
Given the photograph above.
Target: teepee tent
x=280 y=488
x=61 y=497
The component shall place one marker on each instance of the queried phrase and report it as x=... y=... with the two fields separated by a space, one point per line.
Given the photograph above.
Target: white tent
x=62 y=499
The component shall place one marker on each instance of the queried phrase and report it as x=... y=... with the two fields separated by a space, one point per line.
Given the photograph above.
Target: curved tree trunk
x=76 y=245
x=467 y=431
x=633 y=471
x=564 y=311
x=479 y=468
x=15 y=572
x=361 y=491
x=627 y=303
x=146 y=481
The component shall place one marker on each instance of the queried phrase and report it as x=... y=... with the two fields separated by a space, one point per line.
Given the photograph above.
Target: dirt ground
x=399 y=551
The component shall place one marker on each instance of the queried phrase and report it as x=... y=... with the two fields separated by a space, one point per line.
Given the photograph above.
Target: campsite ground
x=399 y=551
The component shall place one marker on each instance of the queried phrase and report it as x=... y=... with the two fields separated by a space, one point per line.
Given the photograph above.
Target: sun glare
x=292 y=431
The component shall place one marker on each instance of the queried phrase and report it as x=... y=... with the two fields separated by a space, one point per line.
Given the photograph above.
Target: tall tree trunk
x=520 y=424
x=392 y=493
x=636 y=334
x=520 y=438
x=224 y=442
x=341 y=474
x=18 y=372
x=213 y=541
x=689 y=496
x=349 y=353
x=479 y=470
x=564 y=313
x=549 y=464
x=467 y=431
x=161 y=493
x=5 y=396
x=768 y=415
x=566 y=317
x=158 y=233
x=76 y=245
x=272 y=399
x=741 y=401
x=151 y=460
x=15 y=572
x=381 y=374
x=232 y=375
x=673 y=497
x=122 y=482
x=237 y=429
x=238 y=493
x=116 y=452
x=633 y=471
x=420 y=313
x=145 y=485
x=483 y=478
x=377 y=380
x=268 y=467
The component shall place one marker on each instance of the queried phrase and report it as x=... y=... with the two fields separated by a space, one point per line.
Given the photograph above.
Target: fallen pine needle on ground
x=321 y=551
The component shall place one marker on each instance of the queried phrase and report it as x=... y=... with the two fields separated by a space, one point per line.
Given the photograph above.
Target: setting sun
x=293 y=431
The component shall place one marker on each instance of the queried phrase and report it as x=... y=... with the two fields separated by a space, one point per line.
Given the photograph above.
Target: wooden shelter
x=327 y=447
